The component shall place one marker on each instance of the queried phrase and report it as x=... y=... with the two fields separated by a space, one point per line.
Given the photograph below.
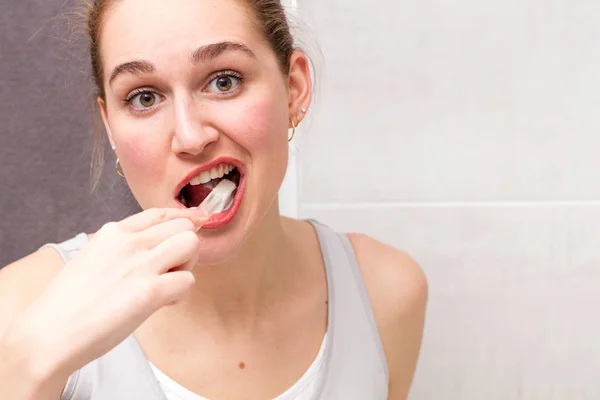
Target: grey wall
x=467 y=134
x=45 y=131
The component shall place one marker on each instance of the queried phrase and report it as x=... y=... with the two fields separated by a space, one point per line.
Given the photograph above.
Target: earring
x=294 y=126
x=293 y=130
x=114 y=147
x=119 y=170
x=303 y=110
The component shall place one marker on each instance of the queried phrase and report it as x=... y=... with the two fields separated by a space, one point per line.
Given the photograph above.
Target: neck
x=235 y=293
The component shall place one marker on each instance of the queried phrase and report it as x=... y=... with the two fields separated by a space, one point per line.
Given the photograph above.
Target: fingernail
x=198 y=217
x=197 y=220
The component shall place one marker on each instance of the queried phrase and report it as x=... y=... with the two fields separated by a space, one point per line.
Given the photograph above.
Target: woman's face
x=195 y=94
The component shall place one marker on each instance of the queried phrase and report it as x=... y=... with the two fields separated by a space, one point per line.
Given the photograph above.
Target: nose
x=192 y=133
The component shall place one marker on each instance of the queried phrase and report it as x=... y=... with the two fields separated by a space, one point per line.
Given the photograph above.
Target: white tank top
x=306 y=388
x=352 y=364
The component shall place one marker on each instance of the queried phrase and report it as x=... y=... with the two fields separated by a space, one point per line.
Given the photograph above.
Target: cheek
x=142 y=156
x=264 y=136
x=264 y=127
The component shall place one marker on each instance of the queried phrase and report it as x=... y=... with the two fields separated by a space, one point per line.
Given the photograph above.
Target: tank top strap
x=357 y=366
x=69 y=248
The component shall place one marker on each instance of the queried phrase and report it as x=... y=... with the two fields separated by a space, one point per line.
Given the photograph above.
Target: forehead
x=154 y=29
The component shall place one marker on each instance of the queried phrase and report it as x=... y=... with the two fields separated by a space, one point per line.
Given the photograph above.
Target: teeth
x=182 y=200
x=204 y=177
x=217 y=172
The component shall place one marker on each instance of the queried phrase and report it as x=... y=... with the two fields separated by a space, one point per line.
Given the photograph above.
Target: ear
x=102 y=107
x=299 y=85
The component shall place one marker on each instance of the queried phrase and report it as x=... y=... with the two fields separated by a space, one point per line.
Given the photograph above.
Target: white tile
x=513 y=297
x=446 y=101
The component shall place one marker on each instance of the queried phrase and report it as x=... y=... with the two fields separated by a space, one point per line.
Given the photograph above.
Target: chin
x=220 y=247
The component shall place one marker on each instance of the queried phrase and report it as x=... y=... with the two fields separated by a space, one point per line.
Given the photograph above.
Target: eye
x=144 y=99
x=224 y=83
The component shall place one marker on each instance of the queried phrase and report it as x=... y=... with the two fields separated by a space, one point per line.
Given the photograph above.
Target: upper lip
x=206 y=167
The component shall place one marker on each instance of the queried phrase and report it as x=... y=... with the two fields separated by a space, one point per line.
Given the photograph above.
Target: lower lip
x=223 y=218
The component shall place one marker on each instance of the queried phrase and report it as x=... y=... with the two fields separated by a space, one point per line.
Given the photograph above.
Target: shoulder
x=395 y=282
x=23 y=281
x=398 y=290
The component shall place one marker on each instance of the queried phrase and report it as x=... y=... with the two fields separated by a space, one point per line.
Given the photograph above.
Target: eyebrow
x=201 y=55
x=211 y=51
x=133 y=67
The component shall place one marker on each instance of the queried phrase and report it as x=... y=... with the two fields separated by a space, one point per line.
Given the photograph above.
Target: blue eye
x=144 y=99
x=224 y=83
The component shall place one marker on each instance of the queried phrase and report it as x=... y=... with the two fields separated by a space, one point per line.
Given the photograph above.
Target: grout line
x=445 y=204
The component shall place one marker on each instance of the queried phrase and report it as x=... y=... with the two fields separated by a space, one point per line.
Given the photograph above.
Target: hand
x=127 y=272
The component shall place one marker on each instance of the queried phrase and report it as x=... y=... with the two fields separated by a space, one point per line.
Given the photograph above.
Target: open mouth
x=194 y=193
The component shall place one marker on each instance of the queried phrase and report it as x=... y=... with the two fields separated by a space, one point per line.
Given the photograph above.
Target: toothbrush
x=219 y=199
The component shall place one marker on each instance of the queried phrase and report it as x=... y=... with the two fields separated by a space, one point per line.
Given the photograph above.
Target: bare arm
x=398 y=291
x=24 y=371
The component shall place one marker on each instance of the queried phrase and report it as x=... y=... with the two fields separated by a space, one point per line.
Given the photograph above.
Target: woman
x=174 y=304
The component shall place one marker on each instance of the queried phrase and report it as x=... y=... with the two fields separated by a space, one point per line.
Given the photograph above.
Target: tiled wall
x=467 y=134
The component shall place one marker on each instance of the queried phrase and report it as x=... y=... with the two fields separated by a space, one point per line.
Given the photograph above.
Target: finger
x=155 y=216
x=156 y=234
x=173 y=252
x=188 y=266
x=172 y=287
